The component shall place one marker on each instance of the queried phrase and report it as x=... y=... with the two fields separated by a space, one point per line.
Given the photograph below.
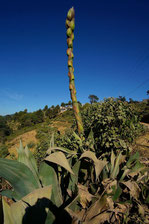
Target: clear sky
x=111 y=51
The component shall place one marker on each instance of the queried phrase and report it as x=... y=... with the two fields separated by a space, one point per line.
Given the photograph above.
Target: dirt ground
x=142 y=144
x=26 y=138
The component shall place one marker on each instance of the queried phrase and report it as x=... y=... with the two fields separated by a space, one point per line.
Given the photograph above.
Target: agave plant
x=42 y=191
x=119 y=190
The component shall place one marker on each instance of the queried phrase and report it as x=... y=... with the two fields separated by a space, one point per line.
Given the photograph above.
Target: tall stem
x=70 y=25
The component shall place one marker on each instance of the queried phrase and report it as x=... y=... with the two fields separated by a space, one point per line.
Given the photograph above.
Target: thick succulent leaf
x=53 y=149
x=25 y=156
x=74 y=178
x=48 y=176
x=10 y=194
x=89 y=155
x=74 y=205
x=125 y=173
x=8 y=219
x=116 y=166
x=96 y=209
x=99 y=164
x=133 y=187
x=100 y=218
x=132 y=159
x=112 y=161
x=60 y=159
x=19 y=176
x=31 y=158
x=32 y=206
x=90 y=140
x=117 y=193
x=52 y=141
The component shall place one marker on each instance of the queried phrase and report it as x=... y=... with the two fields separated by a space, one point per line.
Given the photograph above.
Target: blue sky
x=111 y=51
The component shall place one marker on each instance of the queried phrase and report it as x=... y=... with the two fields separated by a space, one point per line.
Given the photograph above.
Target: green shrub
x=3 y=151
x=114 y=123
x=31 y=144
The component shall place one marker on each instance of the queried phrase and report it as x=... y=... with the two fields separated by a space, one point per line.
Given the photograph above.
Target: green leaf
x=48 y=176
x=117 y=193
x=132 y=159
x=10 y=194
x=33 y=204
x=116 y=167
x=25 y=156
x=99 y=164
x=60 y=149
x=19 y=176
x=52 y=141
x=60 y=159
x=8 y=219
x=74 y=178
x=112 y=161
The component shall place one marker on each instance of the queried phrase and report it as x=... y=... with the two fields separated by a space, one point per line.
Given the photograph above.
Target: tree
x=93 y=98
x=63 y=104
x=122 y=98
x=69 y=103
x=45 y=108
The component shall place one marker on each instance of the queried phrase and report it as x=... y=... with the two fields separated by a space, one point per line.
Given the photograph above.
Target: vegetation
x=93 y=98
x=70 y=25
x=114 y=124
x=87 y=175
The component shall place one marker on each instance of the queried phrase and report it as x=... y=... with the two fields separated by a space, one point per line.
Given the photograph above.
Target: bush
x=3 y=151
x=114 y=123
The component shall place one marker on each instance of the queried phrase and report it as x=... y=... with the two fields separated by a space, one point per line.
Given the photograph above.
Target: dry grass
x=61 y=125
x=26 y=138
x=142 y=144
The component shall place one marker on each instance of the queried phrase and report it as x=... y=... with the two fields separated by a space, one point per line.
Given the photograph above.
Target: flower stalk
x=70 y=25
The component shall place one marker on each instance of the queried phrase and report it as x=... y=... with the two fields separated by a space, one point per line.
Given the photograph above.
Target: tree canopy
x=93 y=98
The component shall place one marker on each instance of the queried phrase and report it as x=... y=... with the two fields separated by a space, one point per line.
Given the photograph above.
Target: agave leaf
x=52 y=141
x=141 y=210
x=60 y=149
x=90 y=140
x=133 y=187
x=99 y=164
x=95 y=209
x=100 y=218
x=48 y=176
x=116 y=167
x=138 y=167
x=74 y=178
x=74 y=205
x=125 y=173
x=25 y=156
x=60 y=159
x=10 y=194
x=90 y=155
x=34 y=203
x=8 y=219
x=132 y=158
x=117 y=193
x=19 y=176
x=31 y=158
x=112 y=161
x=99 y=167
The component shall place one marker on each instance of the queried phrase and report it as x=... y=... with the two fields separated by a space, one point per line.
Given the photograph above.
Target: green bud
x=70 y=63
x=67 y=23
x=72 y=36
x=69 y=42
x=69 y=32
x=72 y=24
x=71 y=14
